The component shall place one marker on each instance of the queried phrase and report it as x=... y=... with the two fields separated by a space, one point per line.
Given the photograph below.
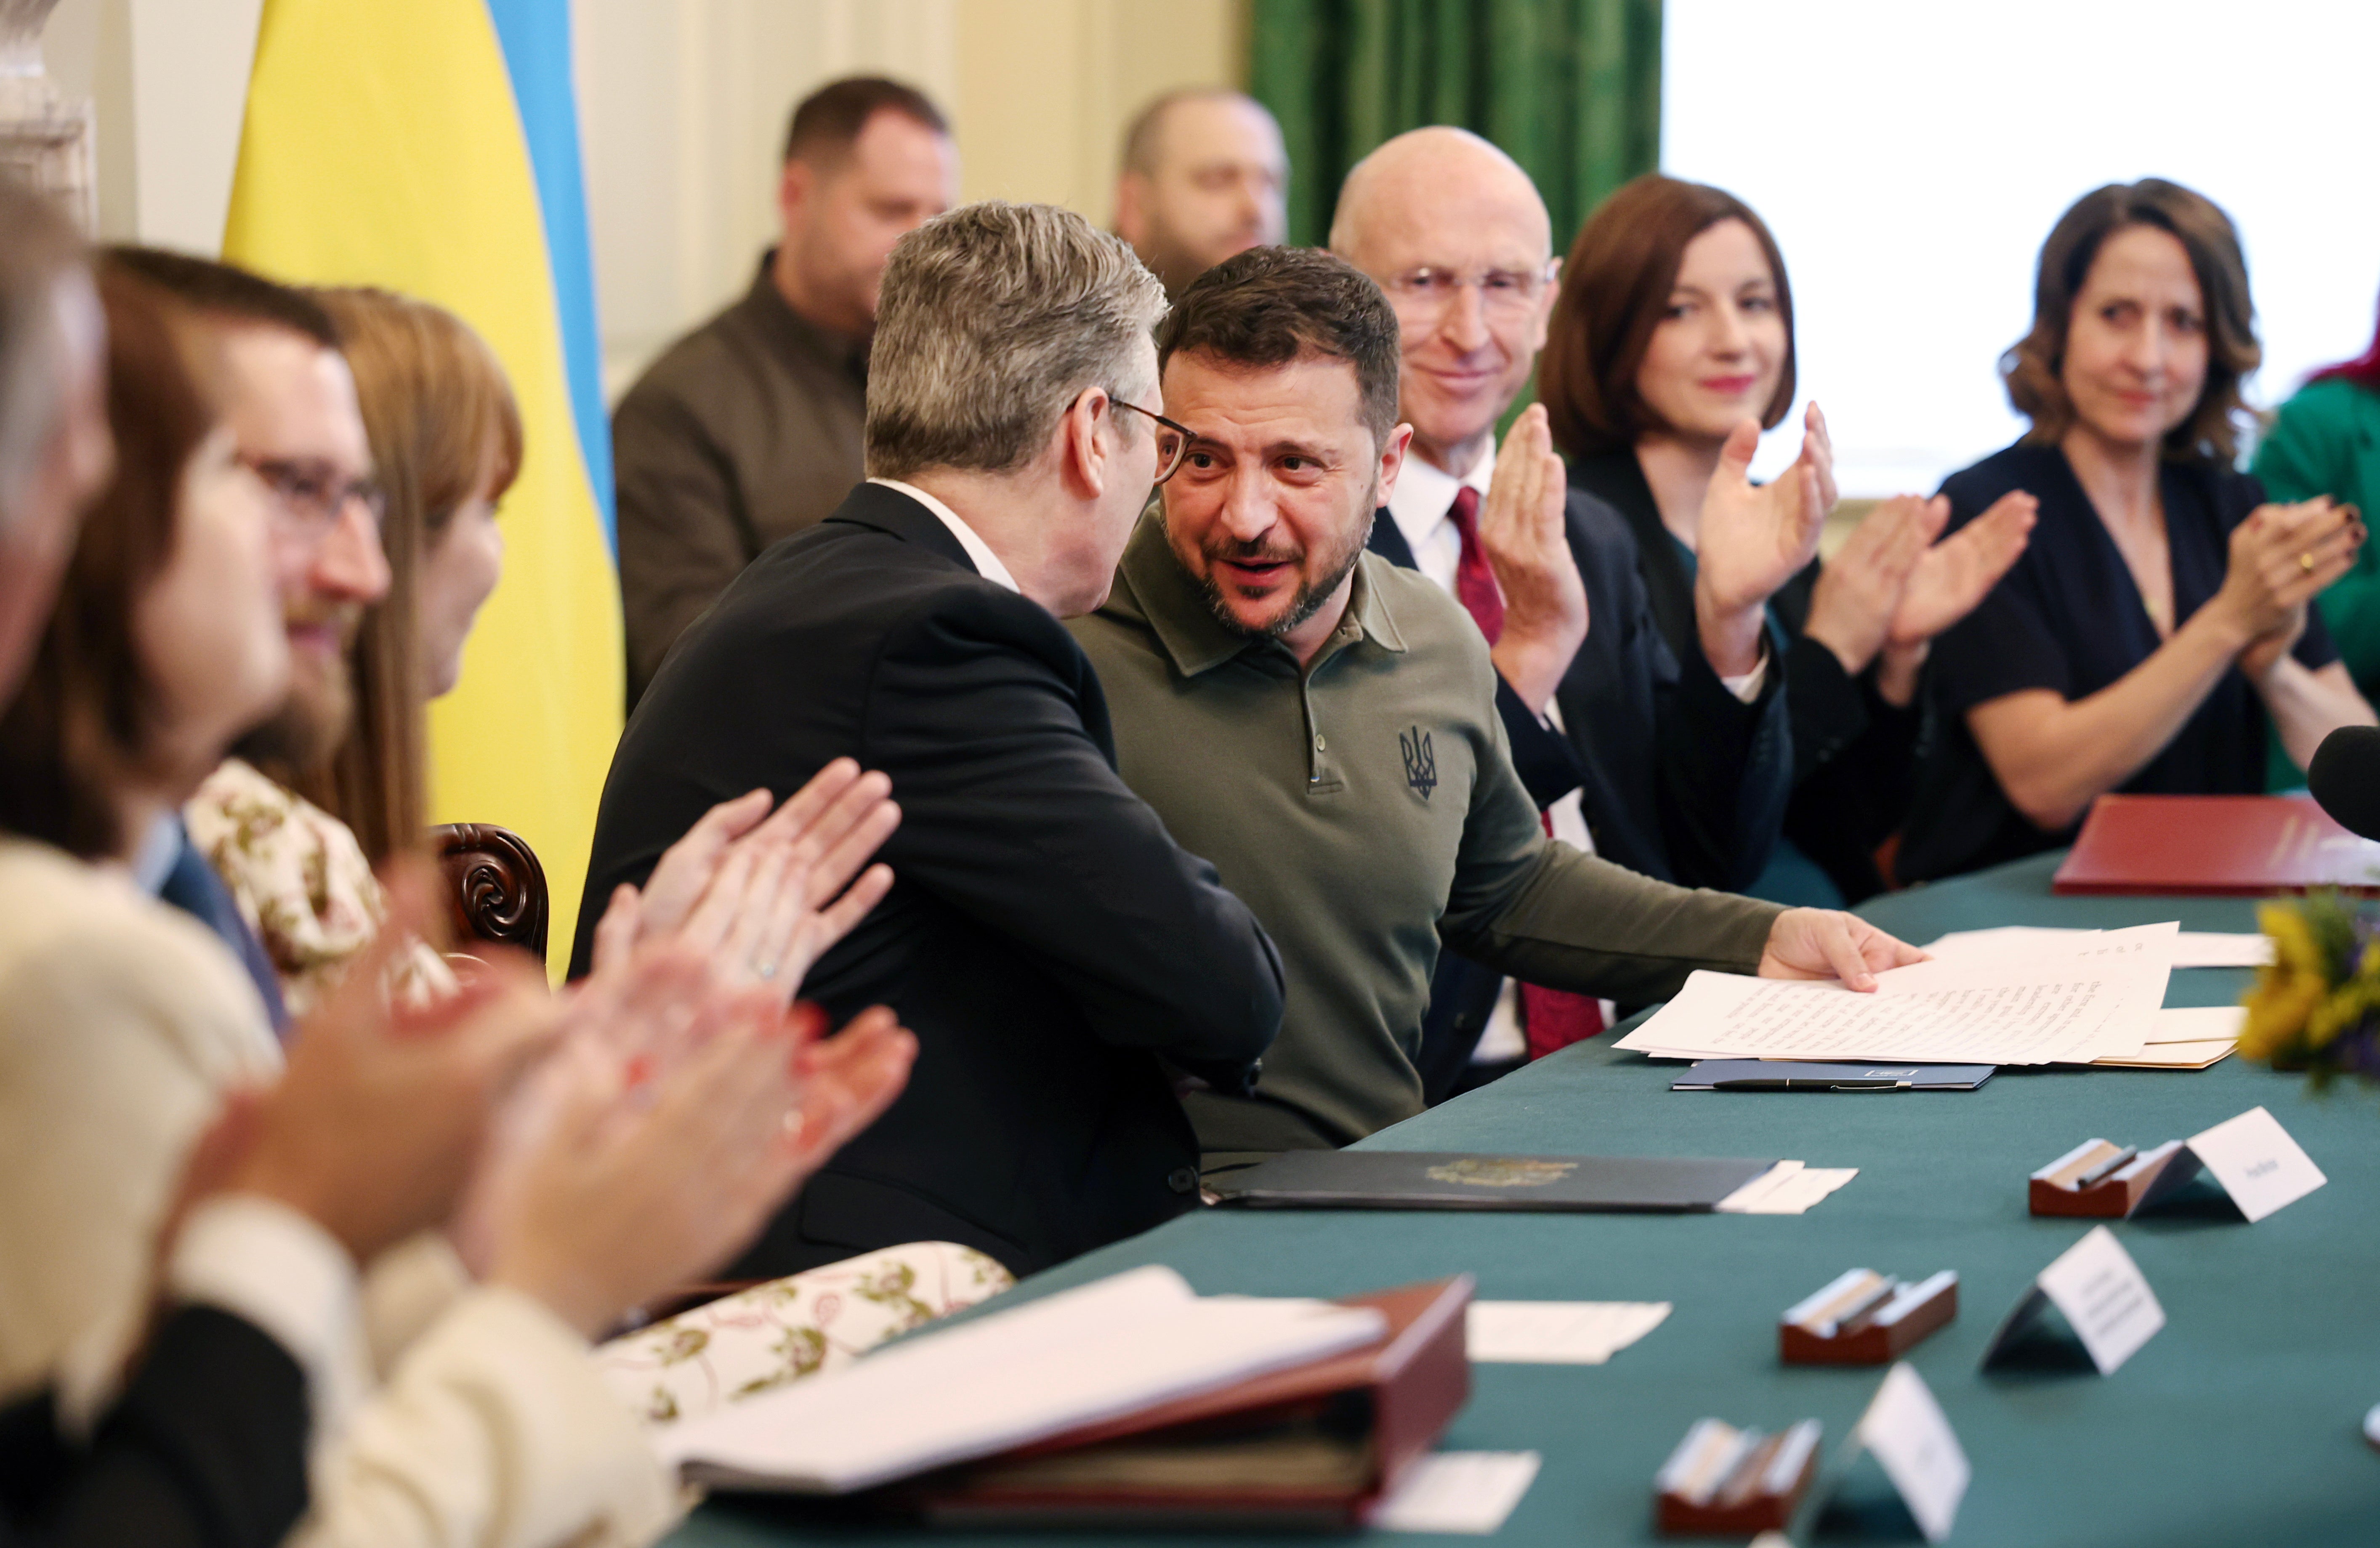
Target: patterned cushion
x=790 y=1328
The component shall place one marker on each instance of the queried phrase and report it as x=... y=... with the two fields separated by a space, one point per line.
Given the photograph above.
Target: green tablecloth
x=2238 y=1425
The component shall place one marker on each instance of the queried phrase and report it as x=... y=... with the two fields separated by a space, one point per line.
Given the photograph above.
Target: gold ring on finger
x=2305 y=562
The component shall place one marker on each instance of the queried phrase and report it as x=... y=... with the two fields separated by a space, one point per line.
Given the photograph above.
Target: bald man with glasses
x=1659 y=765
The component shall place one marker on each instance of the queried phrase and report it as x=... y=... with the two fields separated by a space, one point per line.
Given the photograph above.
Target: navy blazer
x=1051 y=947
x=1678 y=779
x=206 y=1448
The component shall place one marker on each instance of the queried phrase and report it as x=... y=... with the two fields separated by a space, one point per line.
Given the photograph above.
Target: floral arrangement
x=2316 y=1006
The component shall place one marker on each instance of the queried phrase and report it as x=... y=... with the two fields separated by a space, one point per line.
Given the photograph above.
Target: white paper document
x=2193 y=948
x=2078 y=997
x=1469 y=1492
x=1788 y=1188
x=1110 y=1348
x=2103 y=1295
x=1557 y=1332
x=2257 y=1163
x=1904 y=1430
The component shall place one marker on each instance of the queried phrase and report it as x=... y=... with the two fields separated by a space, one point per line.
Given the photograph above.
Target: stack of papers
x=2189 y=1039
x=2070 y=998
x=2193 y=948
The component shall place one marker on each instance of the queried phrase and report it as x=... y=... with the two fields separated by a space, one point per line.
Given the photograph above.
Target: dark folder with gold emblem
x=1441 y=1180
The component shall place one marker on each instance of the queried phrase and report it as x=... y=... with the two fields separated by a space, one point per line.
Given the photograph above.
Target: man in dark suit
x=1659 y=765
x=1061 y=960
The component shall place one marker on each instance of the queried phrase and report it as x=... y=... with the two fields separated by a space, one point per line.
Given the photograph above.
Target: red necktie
x=1552 y=1018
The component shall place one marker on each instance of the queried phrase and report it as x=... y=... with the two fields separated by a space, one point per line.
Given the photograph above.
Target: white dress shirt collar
x=1425 y=493
x=986 y=563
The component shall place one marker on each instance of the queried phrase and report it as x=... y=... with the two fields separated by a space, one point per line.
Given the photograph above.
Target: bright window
x=1912 y=157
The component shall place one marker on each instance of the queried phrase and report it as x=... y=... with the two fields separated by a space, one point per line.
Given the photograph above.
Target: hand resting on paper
x=1828 y=943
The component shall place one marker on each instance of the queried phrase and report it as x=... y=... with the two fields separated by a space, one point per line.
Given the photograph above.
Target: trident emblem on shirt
x=1421 y=761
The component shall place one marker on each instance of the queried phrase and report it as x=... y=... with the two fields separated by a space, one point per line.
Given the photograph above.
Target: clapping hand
x=1755 y=538
x=1861 y=588
x=620 y=1178
x=372 y=1130
x=1524 y=527
x=2281 y=557
x=758 y=890
x=1956 y=574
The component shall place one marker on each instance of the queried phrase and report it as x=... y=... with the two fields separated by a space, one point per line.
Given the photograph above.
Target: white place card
x=1469 y=1492
x=2101 y=1293
x=1904 y=1430
x=2257 y=1163
x=1557 y=1332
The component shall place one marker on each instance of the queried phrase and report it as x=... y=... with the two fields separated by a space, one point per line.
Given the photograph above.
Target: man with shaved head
x=1658 y=764
x=1204 y=177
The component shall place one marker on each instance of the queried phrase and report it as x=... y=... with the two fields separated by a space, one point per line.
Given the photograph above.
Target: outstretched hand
x=1829 y=943
x=1755 y=538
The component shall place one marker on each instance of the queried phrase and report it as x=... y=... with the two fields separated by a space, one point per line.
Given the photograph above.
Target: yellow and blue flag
x=432 y=147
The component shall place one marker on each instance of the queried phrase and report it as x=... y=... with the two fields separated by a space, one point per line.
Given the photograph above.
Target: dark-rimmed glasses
x=313 y=491
x=1173 y=439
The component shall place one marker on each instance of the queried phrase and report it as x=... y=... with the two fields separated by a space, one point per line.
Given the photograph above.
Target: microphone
x=2345 y=778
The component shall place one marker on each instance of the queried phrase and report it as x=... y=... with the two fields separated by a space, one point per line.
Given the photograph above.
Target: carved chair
x=495 y=887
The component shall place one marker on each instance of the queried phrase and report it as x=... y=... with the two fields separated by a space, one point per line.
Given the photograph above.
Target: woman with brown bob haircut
x=1671 y=346
x=2157 y=627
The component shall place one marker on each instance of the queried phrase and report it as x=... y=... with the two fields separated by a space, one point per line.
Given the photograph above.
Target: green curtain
x=1571 y=90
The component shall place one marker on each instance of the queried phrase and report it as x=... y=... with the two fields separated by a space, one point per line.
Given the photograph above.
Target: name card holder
x=2251 y=1158
x=1866 y=1317
x=1722 y=1482
x=2101 y=1180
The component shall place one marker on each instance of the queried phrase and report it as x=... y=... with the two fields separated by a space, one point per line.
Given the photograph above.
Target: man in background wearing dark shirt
x=747 y=430
x=1204 y=177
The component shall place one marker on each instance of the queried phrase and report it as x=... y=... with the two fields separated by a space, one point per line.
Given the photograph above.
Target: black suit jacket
x=1854 y=755
x=1678 y=779
x=1051 y=947
x=205 y=1449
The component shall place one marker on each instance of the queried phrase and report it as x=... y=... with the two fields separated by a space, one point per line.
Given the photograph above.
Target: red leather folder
x=2220 y=846
x=1312 y=1448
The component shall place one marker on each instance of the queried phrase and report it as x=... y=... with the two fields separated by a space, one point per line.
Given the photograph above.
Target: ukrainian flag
x=431 y=146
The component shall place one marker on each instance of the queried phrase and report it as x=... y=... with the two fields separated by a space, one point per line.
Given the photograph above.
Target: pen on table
x=1868 y=1300
x=2107 y=1168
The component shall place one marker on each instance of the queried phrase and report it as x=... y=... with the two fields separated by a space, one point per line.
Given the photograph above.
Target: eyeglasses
x=1173 y=439
x=314 y=492
x=1503 y=293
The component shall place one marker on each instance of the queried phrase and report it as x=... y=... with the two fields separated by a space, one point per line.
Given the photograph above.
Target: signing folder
x=2226 y=846
x=1440 y=1180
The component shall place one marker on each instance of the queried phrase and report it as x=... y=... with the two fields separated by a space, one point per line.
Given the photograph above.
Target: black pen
x=1808 y=1083
x=2107 y=1168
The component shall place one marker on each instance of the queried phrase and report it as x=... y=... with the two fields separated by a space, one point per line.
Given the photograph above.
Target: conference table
x=2238 y=1425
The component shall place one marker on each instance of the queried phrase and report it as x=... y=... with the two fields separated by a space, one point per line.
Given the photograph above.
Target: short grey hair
x=992 y=319
x=38 y=246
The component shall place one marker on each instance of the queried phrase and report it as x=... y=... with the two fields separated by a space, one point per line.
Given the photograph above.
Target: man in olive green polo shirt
x=1322 y=726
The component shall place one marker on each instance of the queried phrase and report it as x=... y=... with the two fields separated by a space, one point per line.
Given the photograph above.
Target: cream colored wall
x=685 y=107
x=170 y=79
x=682 y=105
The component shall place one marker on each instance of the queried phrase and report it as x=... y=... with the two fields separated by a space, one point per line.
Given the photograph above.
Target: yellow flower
x=2292 y=989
